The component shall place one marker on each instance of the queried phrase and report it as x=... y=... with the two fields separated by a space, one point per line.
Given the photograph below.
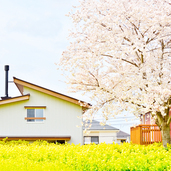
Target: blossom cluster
x=120 y=55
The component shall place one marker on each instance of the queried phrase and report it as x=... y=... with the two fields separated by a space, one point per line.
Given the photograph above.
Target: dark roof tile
x=122 y=134
x=95 y=125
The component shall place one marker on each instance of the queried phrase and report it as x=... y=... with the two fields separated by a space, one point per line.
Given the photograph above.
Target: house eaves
x=15 y=99
x=34 y=138
x=21 y=83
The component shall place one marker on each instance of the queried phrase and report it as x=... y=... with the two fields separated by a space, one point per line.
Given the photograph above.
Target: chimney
x=6 y=68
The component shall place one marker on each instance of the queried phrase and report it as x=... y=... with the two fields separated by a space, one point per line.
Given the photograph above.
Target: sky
x=33 y=35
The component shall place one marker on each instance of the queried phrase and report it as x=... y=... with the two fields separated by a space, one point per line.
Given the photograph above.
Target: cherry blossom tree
x=120 y=54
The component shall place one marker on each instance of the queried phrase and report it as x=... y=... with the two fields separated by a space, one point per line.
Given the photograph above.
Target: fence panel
x=145 y=134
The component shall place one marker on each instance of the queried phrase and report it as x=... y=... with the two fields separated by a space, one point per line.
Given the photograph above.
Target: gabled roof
x=95 y=125
x=21 y=83
x=122 y=134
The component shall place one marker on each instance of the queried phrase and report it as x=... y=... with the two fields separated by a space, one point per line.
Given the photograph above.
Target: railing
x=145 y=134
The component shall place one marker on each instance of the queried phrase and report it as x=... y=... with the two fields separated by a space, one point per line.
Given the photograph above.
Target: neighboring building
x=122 y=137
x=41 y=114
x=98 y=134
x=147 y=119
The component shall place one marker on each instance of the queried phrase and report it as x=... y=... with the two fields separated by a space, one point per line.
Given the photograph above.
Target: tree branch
x=122 y=60
x=137 y=54
x=127 y=101
x=127 y=39
x=130 y=62
x=102 y=104
x=104 y=25
x=107 y=55
x=142 y=59
x=95 y=78
x=146 y=31
x=149 y=40
x=135 y=28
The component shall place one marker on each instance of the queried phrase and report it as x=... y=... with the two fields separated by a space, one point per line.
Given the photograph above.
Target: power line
x=124 y=117
x=117 y=120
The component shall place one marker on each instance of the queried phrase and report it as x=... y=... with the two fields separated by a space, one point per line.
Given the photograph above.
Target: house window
x=94 y=139
x=35 y=115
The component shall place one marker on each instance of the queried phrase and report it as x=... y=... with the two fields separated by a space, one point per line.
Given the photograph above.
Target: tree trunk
x=165 y=131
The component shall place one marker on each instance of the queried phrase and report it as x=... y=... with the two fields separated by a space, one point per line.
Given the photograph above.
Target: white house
x=98 y=134
x=41 y=114
x=122 y=137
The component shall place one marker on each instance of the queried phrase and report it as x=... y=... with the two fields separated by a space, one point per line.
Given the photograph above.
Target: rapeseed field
x=43 y=156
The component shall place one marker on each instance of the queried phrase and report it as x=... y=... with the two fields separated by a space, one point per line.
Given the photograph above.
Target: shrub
x=46 y=156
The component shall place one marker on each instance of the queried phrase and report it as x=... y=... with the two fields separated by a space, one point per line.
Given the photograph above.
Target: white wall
x=104 y=136
x=118 y=141
x=61 y=118
x=107 y=137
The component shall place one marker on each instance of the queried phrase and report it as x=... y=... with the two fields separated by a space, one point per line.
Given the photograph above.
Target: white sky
x=33 y=35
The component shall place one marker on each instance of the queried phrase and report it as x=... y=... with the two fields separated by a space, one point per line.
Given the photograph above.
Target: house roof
x=15 y=99
x=95 y=125
x=21 y=83
x=122 y=134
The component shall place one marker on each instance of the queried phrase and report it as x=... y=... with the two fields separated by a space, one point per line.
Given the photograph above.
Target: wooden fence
x=145 y=134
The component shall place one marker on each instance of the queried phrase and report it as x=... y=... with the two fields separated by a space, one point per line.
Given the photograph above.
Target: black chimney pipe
x=6 y=68
x=6 y=79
